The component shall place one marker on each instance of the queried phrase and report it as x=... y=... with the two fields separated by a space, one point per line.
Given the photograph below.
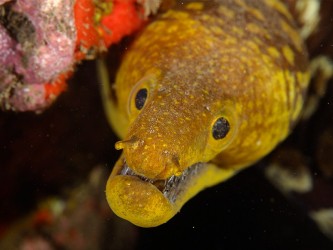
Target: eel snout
x=149 y=159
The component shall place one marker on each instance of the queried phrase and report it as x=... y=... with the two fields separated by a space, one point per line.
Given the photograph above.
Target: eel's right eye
x=140 y=98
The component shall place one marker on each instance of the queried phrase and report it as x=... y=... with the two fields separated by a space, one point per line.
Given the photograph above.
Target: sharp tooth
x=125 y=170
x=172 y=186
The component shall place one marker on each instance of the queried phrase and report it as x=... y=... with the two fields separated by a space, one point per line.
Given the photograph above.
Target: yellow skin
x=242 y=60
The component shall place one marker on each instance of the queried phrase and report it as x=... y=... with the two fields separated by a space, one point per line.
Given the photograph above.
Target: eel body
x=206 y=89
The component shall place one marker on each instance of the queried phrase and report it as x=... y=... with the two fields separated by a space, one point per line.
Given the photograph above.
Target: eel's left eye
x=140 y=98
x=220 y=128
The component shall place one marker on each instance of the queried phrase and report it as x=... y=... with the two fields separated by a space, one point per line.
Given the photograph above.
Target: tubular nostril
x=130 y=142
x=120 y=145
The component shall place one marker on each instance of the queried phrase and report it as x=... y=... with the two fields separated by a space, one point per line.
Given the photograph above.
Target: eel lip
x=146 y=202
x=137 y=201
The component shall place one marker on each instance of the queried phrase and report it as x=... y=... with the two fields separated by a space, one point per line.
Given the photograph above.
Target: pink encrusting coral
x=51 y=50
x=37 y=43
x=8 y=57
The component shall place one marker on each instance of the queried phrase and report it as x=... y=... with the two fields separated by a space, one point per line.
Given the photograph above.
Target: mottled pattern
x=201 y=60
x=302 y=167
x=223 y=55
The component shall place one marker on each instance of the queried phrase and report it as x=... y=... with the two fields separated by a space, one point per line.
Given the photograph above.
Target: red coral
x=54 y=89
x=86 y=34
x=124 y=20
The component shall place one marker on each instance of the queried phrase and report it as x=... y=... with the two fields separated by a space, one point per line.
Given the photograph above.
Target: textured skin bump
x=238 y=59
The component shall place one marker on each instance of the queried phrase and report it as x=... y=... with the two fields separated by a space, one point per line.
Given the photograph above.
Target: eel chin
x=149 y=203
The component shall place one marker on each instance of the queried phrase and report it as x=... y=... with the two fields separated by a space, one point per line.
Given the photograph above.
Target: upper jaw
x=170 y=187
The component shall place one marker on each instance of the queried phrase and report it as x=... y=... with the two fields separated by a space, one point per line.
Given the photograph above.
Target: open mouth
x=151 y=202
x=171 y=187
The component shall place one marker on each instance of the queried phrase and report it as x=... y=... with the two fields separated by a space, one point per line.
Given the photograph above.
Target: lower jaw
x=137 y=201
x=150 y=203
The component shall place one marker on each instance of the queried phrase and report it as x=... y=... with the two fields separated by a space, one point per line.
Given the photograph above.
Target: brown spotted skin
x=302 y=167
x=201 y=60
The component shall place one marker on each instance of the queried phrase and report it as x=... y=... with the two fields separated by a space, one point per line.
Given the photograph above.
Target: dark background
x=44 y=154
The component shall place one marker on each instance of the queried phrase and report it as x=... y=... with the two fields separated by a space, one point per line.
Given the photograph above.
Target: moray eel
x=205 y=90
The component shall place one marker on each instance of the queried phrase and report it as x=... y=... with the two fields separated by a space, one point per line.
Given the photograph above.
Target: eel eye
x=140 y=98
x=220 y=128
